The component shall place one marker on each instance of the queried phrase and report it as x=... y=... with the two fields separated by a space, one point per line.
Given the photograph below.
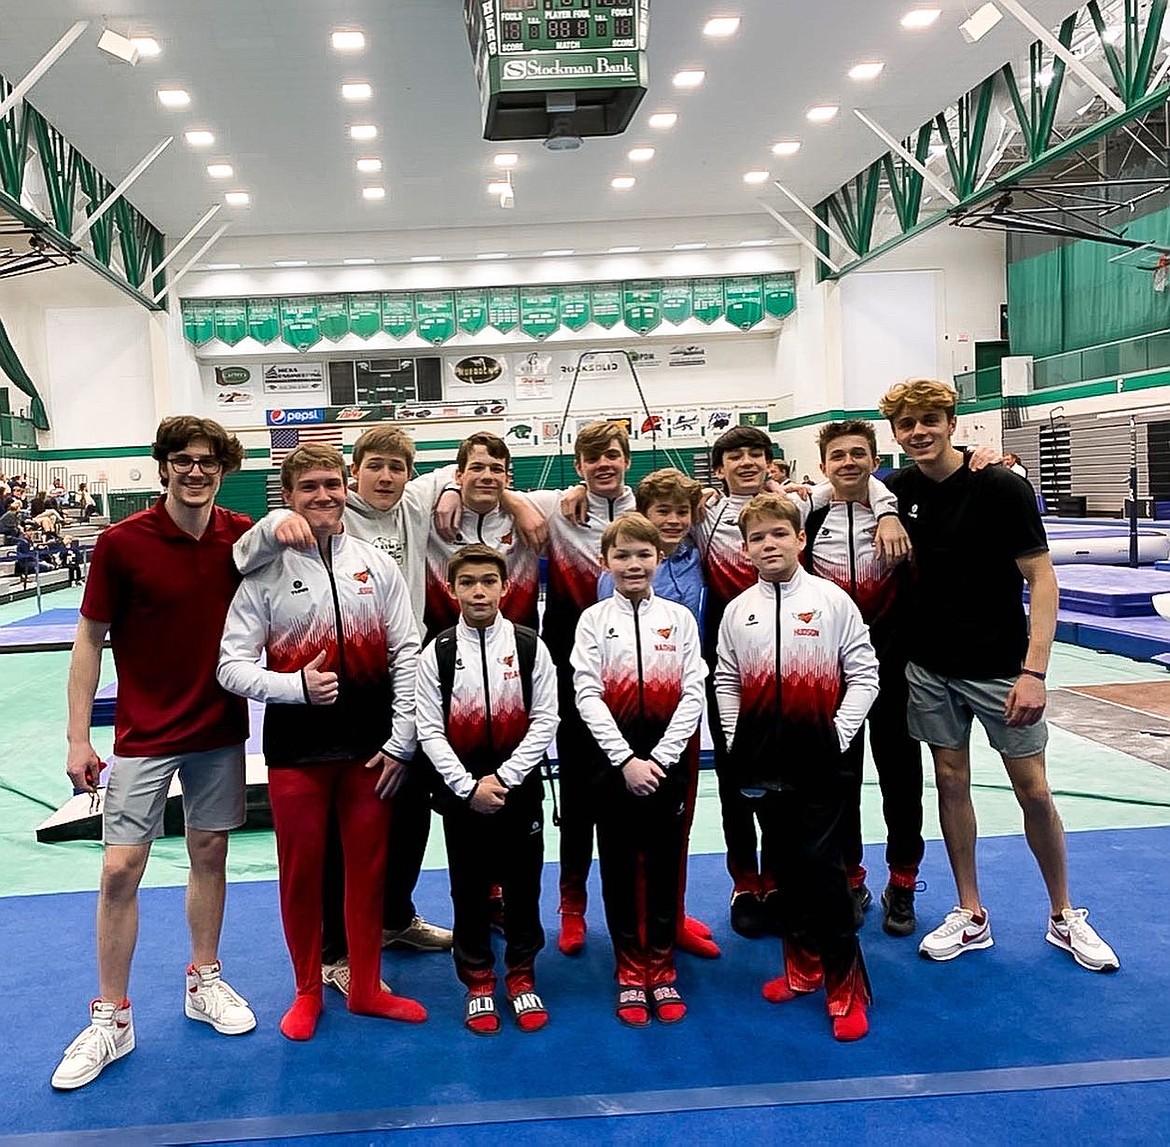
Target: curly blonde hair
x=918 y=394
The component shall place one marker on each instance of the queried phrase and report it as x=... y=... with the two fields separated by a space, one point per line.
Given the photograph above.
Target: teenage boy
x=160 y=584
x=638 y=672
x=670 y=501
x=977 y=539
x=740 y=459
x=840 y=547
x=487 y=712
x=340 y=643
x=795 y=678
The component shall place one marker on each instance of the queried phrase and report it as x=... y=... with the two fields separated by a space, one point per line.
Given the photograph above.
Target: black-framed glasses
x=185 y=463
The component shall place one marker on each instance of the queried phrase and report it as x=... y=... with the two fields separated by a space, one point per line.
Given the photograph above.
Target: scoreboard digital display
x=590 y=53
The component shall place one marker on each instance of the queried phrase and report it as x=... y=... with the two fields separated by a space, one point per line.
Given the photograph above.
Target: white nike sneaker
x=212 y=1000
x=957 y=934
x=110 y=1036
x=1073 y=933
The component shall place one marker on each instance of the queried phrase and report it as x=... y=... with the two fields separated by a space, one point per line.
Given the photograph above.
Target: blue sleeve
x=604 y=585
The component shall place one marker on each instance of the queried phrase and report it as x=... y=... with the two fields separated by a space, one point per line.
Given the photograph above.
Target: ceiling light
x=822 y=113
x=869 y=70
x=498 y=186
x=640 y=154
x=356 y=91
x=1112 y=34
x=755 y=243
x=223 y=266
x=120 y=47
x=148 y=47
x=920 y=17
x=938 y=148
x=373 y=193
x=508 y=198
x=493 y=255
x=348 y=41
x=237 y=199
x=689 y=246
x=368 y=165
x=623 y=250
x=173 y=97
x=363 y=132
x=719 y=26
x=689 y=78
x=663 y=120
x=200 y=138
x=756 y=176
x=506 y=159
x=220 y=170
x=979 y=23
x=786 y=147
x=426 y=258
x=357 y=262
x=1044 y=77
x=622 y=182
x=291 y=263
x=556 y=253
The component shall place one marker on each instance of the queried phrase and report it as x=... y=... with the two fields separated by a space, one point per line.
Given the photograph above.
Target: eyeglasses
x=185 y=463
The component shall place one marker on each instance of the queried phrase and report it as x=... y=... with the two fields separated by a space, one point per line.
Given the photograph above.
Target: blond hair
x=594 y=440
x=311 y=456
x=768 y=506
x=386 y=440
x=918 y=394
x=635 y=527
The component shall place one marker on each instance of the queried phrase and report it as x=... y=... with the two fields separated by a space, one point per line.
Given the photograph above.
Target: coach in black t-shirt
x=977 y=537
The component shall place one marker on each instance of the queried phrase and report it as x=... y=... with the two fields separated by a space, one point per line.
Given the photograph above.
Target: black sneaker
x=748 y=916
x=862 y=899
x=898 y=917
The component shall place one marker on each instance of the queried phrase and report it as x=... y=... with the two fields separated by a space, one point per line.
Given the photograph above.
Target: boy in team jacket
x=638 y=673
x=486 y=704
x=796 y=675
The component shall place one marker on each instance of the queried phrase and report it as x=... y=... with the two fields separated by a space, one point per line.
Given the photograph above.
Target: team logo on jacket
x=913 y=514
x=362 y=575
x=665 y=633
x=508 y=660
x=805 y=618
x=805 y=629
x=299 y=587
x=612 y=632
x=507 y=539
x=751 y=620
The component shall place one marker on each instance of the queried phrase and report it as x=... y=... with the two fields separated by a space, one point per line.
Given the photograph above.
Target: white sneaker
x=211 y=1000
x=957 y=934
x=337 y=976
x=110 y=1036
x=1075 y=935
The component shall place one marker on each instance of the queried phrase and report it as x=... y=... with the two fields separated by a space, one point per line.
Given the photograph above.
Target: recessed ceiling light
x=663 y=120
x=623 y=250
x=1044 y=76
x=498 y=187
x=557 y=252
x=223 y=266
x=291 y=263
x=348 y=41
x=822 y=113
x=357 y=262
x=199 y=138
x=756 y=176
x=506 y=159
x=689 y=78
x=220 y=170
x=173 y=98
x=368 y=165
x=373 y=193
x=426 y=258
x=356 y=91
x=363 y=132
x=237 y=199
x=920 y=17
x=689 y=246
x=622 y=182
x=118 y=46
x=869 y=70
x=147 y=46
x=720 y=26
x=786 y=147
x=493 y=255
x=1112 y=34
x=640 y=154
x=755 y=243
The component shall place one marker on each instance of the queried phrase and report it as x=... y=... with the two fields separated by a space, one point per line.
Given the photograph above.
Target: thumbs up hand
x=321 y=687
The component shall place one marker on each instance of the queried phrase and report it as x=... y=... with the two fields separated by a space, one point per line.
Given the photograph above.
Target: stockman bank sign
x=293 y=377
x=612 y=67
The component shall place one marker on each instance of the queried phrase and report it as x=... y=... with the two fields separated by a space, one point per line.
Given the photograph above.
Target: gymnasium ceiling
x=263 y=78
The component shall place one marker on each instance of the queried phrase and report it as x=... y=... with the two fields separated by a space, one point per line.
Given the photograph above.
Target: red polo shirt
x=166 y=595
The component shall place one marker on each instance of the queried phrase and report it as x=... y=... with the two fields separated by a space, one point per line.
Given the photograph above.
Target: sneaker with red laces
x=1073 y=933
x=110 y=1036
x=960 y=932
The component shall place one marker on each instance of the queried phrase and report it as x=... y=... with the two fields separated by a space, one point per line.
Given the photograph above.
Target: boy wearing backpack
x=487 y=711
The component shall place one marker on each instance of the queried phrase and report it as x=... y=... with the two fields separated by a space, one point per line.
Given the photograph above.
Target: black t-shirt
x=966 y=615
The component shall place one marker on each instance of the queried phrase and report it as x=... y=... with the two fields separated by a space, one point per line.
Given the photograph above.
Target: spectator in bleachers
x=57 y=491
x=30 y=557
x=49 y=520
x=11 y=520
x=85 y=502
x=66 y=554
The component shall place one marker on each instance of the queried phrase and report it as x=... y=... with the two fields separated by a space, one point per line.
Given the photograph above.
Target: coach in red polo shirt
x=160 y=584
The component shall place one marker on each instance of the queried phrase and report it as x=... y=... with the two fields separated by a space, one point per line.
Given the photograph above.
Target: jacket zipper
x=487 y=688
x=779 y=631
x=638 y=654
x=852 y=553
x=336 y=616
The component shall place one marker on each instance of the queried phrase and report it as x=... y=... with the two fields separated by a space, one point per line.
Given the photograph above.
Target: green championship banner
x=641 y=305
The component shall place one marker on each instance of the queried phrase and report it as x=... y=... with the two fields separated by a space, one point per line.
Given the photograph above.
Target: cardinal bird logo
x=508 y=660
x=665 y=633
x=805 y=618
x=362 y=575
x=507 y=539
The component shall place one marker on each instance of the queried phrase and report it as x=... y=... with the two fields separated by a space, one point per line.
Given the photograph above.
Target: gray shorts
x=942 y=708
x=136 y=793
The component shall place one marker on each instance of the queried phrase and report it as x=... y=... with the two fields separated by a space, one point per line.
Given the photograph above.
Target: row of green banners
x=437 y=316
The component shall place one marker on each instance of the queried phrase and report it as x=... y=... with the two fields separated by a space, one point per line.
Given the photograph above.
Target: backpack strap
x=526 y=640
x=445 y=649
x=812 y=527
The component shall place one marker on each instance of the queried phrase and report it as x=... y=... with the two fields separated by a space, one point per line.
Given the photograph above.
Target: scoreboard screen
x=566 y=25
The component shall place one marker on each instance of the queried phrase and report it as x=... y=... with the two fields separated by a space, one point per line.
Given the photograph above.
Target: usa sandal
x=669 y=1006
x=632 y=1008
x=480 y=1016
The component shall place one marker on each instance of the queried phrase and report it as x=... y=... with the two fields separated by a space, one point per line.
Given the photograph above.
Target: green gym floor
x=1097 y=785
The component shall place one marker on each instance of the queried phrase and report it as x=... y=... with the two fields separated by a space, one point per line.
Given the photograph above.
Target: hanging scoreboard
x=577 y=65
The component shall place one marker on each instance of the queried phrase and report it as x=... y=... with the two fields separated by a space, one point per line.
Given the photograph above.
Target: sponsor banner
x=378 y=413
x=652 y=425
x=717 y=421
x=685 y=423
x=293 y=377
x=532 y=374
x=687 y=354
x=478 y=370
x=469 y=408
x=754 y=418
x=234 y=389
x=304 y=417
x=645 y=359
x=520 y=433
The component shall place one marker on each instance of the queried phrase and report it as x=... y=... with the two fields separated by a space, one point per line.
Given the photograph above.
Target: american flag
x=288 y=438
